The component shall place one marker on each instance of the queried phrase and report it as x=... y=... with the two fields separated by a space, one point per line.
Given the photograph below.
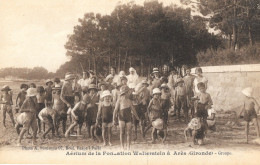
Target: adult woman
x=132 y=78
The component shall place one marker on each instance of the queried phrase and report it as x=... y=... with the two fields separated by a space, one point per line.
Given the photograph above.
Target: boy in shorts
x=41 y=104
x=48 y=117
x=60 y=107
x=7 y=102
x=249 y=108
x=21 y=96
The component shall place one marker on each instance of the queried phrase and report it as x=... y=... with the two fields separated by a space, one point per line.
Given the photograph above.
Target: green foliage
x=134 y=35
x=244 y=55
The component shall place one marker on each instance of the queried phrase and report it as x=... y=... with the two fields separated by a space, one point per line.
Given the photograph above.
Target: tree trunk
x=230 y=41
x=249 y=25
x=119 y=60
x=142 y=71
x=109 y=61
x=235 y=26
x=126 y=54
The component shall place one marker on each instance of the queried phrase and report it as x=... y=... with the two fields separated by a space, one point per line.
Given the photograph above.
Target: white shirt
x=84 y=83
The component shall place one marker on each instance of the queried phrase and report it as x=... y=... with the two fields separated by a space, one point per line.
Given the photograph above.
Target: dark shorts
x=201 y=111
x=249 y=115
x=125 y=115
x=48 y=121
x=70 y=100
x=61 y=116
x=140 y=113
x=80 y=115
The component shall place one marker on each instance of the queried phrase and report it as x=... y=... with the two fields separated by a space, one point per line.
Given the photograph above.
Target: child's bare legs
x=104 y=133
x=142 y=128
x=39 y=125
x=64 y=125
x=17 y=128
x=79 y=129
x=256 y=126
x=135 y=130
x=95 y=133
x=70 y=128
x=109 y=135
x=88 y=128
x=4 y=116
x=10 y=113
x=247 y=131
x=154 y=133
x=194 y=133
x=34 y=129
x=21 y=135
x=128 y=134
x=122 y=132
x=50 y=127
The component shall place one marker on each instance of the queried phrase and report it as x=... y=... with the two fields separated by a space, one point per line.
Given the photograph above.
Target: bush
x=245 y=55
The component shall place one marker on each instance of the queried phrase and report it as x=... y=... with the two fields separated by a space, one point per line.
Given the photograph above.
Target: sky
x=33 y=32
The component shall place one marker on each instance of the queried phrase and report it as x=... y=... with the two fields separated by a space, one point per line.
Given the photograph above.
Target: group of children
x=110 y=104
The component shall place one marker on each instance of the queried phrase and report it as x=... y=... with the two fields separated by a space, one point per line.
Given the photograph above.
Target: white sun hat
x=156 y=91
x=105 y=93
x=248 y=91
x=31 y=92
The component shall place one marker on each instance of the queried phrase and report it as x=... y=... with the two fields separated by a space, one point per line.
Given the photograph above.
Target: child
x=181 y=99
x=124 y=110
x=109 y=81
x=105 y=112
x=56 y=81
x=92 y=109
x=41 y=104
x=166 y=102
x=32 y=85
x=60 y=108
x=48 y=117
x=188 y=81
x=197 y=130
x=48 y=91
x=102 y=86
x=199 y=78
x=78 y=114
x=249 y=108
x=137 y=106
x=204 y=103
x=77 y=88
x=155 y=112
x=27 y=118
x=7 y=102
x=211 y=121
x=123 y=80
x=21 y=96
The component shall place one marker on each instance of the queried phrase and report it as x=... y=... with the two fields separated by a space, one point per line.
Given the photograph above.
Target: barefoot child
x=7 y=102
x=105 y=113
x=197 y=130
x=78 y=114
x=92 y=109
x=155 y=112
x=181 y=99
x=166 y=102
x=250 y=106
x=60 y=107
x=48 y=117
x=188 y=81
x=137 y=106
x=124 y=110
x=21 y=96
x=48 y=91
x=27 y=118
x=41 y=104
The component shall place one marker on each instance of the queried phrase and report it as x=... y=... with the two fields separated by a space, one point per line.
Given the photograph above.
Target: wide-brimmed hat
x=248 y=91
x=57 y=87
x=92 y=86
x=69 y=77
x=164 y=86
x=155 y=70
x=124 y=89
x=109 y=77
x=179 y=80
x=194 y=124
x=156 y=91
x=158 y=124
x=48 y=81
x=106 y=93
x=6 y=88
x=145 y=82
x=31 y=92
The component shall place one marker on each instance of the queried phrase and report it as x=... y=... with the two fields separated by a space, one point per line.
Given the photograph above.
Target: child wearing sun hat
x=250 y=109
x=7 y=102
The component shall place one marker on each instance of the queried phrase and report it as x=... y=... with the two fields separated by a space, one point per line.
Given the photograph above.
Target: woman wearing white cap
x=250 y=107
x=132 y=78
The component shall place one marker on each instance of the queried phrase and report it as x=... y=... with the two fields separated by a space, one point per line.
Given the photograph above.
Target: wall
x=225 y=84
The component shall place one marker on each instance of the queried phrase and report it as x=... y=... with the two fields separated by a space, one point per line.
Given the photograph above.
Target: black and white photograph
x=130 y=82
